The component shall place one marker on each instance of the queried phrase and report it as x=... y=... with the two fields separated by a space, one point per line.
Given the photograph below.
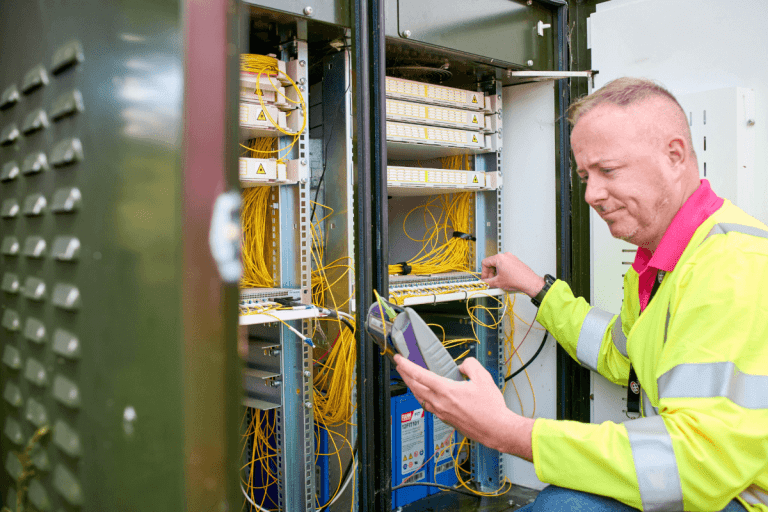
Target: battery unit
x=400 y=88
x=262 y=171
x=443 y=450
x=421 y=113
x=404 y=132
x=409 y=449
x=254 y=121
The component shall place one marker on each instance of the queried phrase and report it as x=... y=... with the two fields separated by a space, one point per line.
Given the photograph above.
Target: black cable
x=439 y=486
x=522 y=368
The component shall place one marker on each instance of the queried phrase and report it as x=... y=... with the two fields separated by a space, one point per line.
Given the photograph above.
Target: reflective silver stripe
x=666 y=326
x=754 y=495
x=725 y=227
x=618 y=337
x=705 y=380
x=648 y=408
x=655 y=464
x=591 y=337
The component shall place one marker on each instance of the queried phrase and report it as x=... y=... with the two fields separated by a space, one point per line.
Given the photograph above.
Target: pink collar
x=702 y=203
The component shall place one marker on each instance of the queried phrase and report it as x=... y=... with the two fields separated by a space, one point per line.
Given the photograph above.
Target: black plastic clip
x=464 y=236
x=406 y=268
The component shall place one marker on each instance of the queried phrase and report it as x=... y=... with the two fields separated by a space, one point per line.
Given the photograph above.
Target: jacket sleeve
x=590 y=335
x=710 y=440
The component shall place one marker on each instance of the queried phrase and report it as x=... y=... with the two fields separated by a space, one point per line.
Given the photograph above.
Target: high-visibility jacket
x=700 y=350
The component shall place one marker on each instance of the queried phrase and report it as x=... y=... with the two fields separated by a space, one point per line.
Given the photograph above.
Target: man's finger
x=472 y=368
x=491 y=281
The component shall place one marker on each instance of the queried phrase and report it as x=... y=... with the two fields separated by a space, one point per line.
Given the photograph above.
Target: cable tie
x=464 y=236
x=406 y=268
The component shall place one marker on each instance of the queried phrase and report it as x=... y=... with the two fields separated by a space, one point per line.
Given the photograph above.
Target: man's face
x=626 y=172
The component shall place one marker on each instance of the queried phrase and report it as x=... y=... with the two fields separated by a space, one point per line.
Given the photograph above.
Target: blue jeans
x=558 y=499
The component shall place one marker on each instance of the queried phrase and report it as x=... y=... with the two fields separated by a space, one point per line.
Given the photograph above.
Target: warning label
x=474 y=118
x=475 y=180
x=261 y=116
x=412 y=444
x=474 y=138
x=442 y=433
x=474 y=98
x=262 y=171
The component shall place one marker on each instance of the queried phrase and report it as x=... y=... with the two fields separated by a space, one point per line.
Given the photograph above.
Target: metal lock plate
x=66 y=344
x=10 y=209
x=34 y=79
x=34 y=330
x=34 y=121
x=66 y=439
x=66 y=248
x=67 y=56
x=12 y=357
x=67 y=104
x=34 y=163
x=66 y=200
x=10 y=283
x=10 y=171
x=10 y=97
x=67 y=485
x=34 y=247
x=66 y=296
x=67 y=152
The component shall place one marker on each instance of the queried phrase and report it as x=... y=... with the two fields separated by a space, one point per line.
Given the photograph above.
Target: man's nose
x=596 y=191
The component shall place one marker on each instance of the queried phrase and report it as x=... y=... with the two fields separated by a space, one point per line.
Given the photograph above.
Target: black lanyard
x=633 y=387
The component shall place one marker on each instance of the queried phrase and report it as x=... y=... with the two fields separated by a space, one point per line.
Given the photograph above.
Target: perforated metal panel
x=90 y=192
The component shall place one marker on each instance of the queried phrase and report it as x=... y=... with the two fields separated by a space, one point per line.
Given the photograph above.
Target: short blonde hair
x=624 y=92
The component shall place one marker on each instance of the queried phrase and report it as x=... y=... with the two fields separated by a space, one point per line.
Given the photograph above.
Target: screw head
x=750 y=122
x=529 y=2
x=406 y=34
x=308 y=405
x=301 y=88
x=304 y=162
x=307 y=373
x=530 y=63
x=308 y=10
x=302 y=63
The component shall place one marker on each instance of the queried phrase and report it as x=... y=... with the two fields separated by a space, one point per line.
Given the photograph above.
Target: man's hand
x=507 y=272
x=475 y=407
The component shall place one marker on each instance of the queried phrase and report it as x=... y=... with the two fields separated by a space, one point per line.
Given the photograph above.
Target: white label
x=445 y=466
x=442 y=433
x=412 y=446
x=415 y=477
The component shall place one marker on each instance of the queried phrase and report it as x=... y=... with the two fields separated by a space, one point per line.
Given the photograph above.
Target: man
x=693 y=328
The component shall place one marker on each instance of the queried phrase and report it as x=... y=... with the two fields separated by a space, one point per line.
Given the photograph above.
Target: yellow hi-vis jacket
x=700 y=350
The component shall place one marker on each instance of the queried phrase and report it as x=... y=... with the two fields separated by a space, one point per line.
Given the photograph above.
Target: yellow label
x=261 y=116
x=474 y=99
x=474 y=119
x=243 y=167
x=243 y=114
x=262 y=171
x=475 y=180
x=474 y=138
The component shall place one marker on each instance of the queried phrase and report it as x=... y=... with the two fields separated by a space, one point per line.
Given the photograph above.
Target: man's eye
x=606 y=170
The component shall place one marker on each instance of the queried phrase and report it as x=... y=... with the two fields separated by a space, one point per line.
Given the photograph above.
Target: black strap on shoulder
x=464 y=236
x=633 y=385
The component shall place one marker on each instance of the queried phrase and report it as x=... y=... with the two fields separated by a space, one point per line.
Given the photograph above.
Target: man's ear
x=678 y=152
